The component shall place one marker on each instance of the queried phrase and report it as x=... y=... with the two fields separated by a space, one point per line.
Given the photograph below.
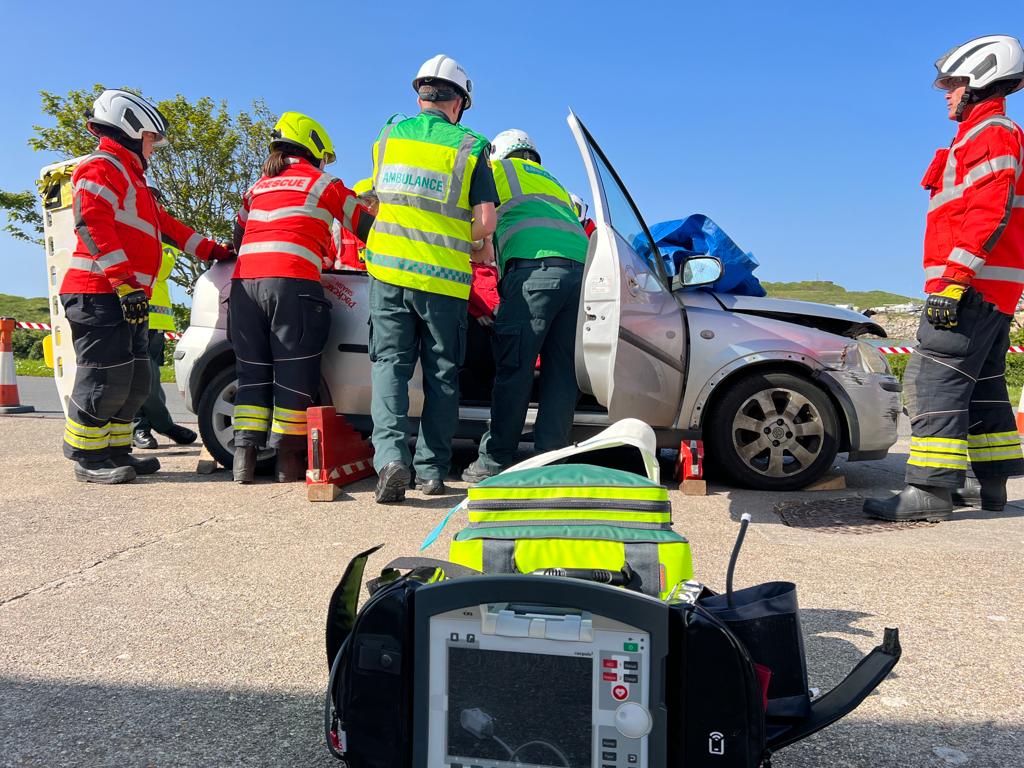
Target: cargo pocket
x=460 y=350
x=316 y=322
x=369 y=343
x=507 y=339
x=956 y=341
x=96 y=309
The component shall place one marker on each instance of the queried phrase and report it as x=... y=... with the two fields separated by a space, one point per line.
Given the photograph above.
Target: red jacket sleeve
x=344 y=205
x=991 y=162
x=98 y=187
x=184 y=236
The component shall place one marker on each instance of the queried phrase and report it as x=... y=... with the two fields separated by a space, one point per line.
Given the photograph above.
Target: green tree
x=213 y=157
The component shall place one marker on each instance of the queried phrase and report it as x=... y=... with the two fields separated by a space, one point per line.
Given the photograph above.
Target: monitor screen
x=525 y=709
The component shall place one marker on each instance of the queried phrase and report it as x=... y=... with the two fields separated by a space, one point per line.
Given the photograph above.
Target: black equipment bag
x=766 y=619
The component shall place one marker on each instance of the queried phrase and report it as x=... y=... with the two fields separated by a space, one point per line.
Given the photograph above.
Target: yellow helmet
x=363 y=185
x=302 y=130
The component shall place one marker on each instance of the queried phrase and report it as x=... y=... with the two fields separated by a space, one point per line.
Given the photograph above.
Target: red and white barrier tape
x=47 y=327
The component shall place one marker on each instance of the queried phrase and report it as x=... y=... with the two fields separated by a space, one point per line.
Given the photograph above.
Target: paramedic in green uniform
x=541 y=249
x=436 y=213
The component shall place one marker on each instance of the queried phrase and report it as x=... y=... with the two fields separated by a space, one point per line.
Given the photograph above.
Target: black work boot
x=143 y=438
x=181 y=435
x=243 y=468
x=146 y=466
x=392 y=482
x=103 y=472
x=290 y=465
x=915 y=502
x=476 y=472
x=987 y=493
x=435 y=487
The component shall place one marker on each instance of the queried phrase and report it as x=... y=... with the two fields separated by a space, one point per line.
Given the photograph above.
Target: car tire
x=773 y=432
x=215 y=413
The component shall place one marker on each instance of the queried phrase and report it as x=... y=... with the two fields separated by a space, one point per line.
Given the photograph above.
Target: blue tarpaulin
x=698 y=235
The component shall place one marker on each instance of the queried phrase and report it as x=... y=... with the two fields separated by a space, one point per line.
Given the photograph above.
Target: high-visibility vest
x=422 y=168
x=536 y=218
x=161 y=316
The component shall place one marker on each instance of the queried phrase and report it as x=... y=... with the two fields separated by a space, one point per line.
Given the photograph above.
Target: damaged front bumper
x=871 y=404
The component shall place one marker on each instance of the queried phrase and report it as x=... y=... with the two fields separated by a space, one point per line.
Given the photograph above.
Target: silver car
x=775 y=388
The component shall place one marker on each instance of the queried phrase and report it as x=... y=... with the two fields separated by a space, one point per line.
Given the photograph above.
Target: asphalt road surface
x=179 y=621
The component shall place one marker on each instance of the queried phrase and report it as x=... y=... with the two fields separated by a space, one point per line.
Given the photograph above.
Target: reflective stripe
x=1007 y=274
x=108 y=260
x=545 y=223
x=994 y=438
x=459 y=171
x=313 y=198
x=86 y=431
x=288 y=421
x=1018 y=201
x=276 y=246
x=937 y=463
x=939 y=443
x=243 y=216
x=120 y=434
x=131 y=219
x=421 y=236
x=192 y=244
x=97 y=189
x=75 y=440
x=996 y=453
x=930 y=273
x=514 y=202
x=514 y=187
x=156 y=309
x=968 y=259
x=314 y=212
x=143 y=279
x=419 y=268
x=980 y=171
x=423 y=204
x=289 y=414
x=287 y=428
x=348 y=210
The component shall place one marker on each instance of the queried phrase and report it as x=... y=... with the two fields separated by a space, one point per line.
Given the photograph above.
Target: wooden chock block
x=830 y=482
x=206 y=465
x=322 y=492
x=694 y=487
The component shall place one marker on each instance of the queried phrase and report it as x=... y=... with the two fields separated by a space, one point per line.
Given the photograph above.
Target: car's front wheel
x=773 y=432
x=216 y=412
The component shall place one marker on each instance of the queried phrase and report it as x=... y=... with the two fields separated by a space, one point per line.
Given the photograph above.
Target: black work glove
x=941 y=308
x=134 y=304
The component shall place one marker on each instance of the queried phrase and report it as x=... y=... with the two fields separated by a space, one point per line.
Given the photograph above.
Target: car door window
x=622 y=213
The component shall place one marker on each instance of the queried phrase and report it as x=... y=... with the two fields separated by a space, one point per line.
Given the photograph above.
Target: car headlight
x=872 y=358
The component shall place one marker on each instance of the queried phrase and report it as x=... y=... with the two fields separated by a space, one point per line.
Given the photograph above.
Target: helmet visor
x=948 y=82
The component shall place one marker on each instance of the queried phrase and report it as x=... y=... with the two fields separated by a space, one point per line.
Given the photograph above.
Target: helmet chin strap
x=965 y=101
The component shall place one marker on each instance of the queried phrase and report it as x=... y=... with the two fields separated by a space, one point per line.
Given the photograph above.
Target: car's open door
x=630 y=337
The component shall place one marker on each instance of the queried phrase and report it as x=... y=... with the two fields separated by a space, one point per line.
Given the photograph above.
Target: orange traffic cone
x=9 y=401
x=1020 y=414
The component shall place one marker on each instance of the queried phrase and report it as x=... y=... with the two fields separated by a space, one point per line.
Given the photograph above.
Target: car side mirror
x=698 y=270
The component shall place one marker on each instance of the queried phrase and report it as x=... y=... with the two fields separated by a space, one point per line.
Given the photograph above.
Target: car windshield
x=623 y=215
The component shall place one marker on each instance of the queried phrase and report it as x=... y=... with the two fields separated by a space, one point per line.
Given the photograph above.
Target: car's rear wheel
x=216 y=411
x=773 y=432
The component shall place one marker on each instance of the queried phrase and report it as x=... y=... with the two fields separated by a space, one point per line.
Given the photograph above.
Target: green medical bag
x=574 y=516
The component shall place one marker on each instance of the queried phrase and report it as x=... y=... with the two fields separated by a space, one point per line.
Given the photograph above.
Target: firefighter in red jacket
x=974 y=272
x=278 y=318
x=105 y=292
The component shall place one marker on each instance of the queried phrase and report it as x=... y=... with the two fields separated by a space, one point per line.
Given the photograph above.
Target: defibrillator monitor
x=538 y=672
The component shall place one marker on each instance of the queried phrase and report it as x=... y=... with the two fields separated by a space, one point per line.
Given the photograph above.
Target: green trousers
x=153 y=415
x=407 y=326
x=537 y=315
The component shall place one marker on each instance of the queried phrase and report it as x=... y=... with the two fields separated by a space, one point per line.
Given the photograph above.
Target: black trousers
x=153 y=415
x=278 y=327
x=960 y=412
x=112 y=380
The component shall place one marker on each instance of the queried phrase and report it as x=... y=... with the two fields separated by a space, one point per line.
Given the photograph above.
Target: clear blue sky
x=802 y=128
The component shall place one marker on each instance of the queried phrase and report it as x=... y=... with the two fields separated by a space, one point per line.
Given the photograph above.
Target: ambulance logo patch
x=405 y=179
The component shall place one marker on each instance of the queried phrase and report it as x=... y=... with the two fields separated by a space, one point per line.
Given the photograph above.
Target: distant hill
x=827 y=292
x=26 y=310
